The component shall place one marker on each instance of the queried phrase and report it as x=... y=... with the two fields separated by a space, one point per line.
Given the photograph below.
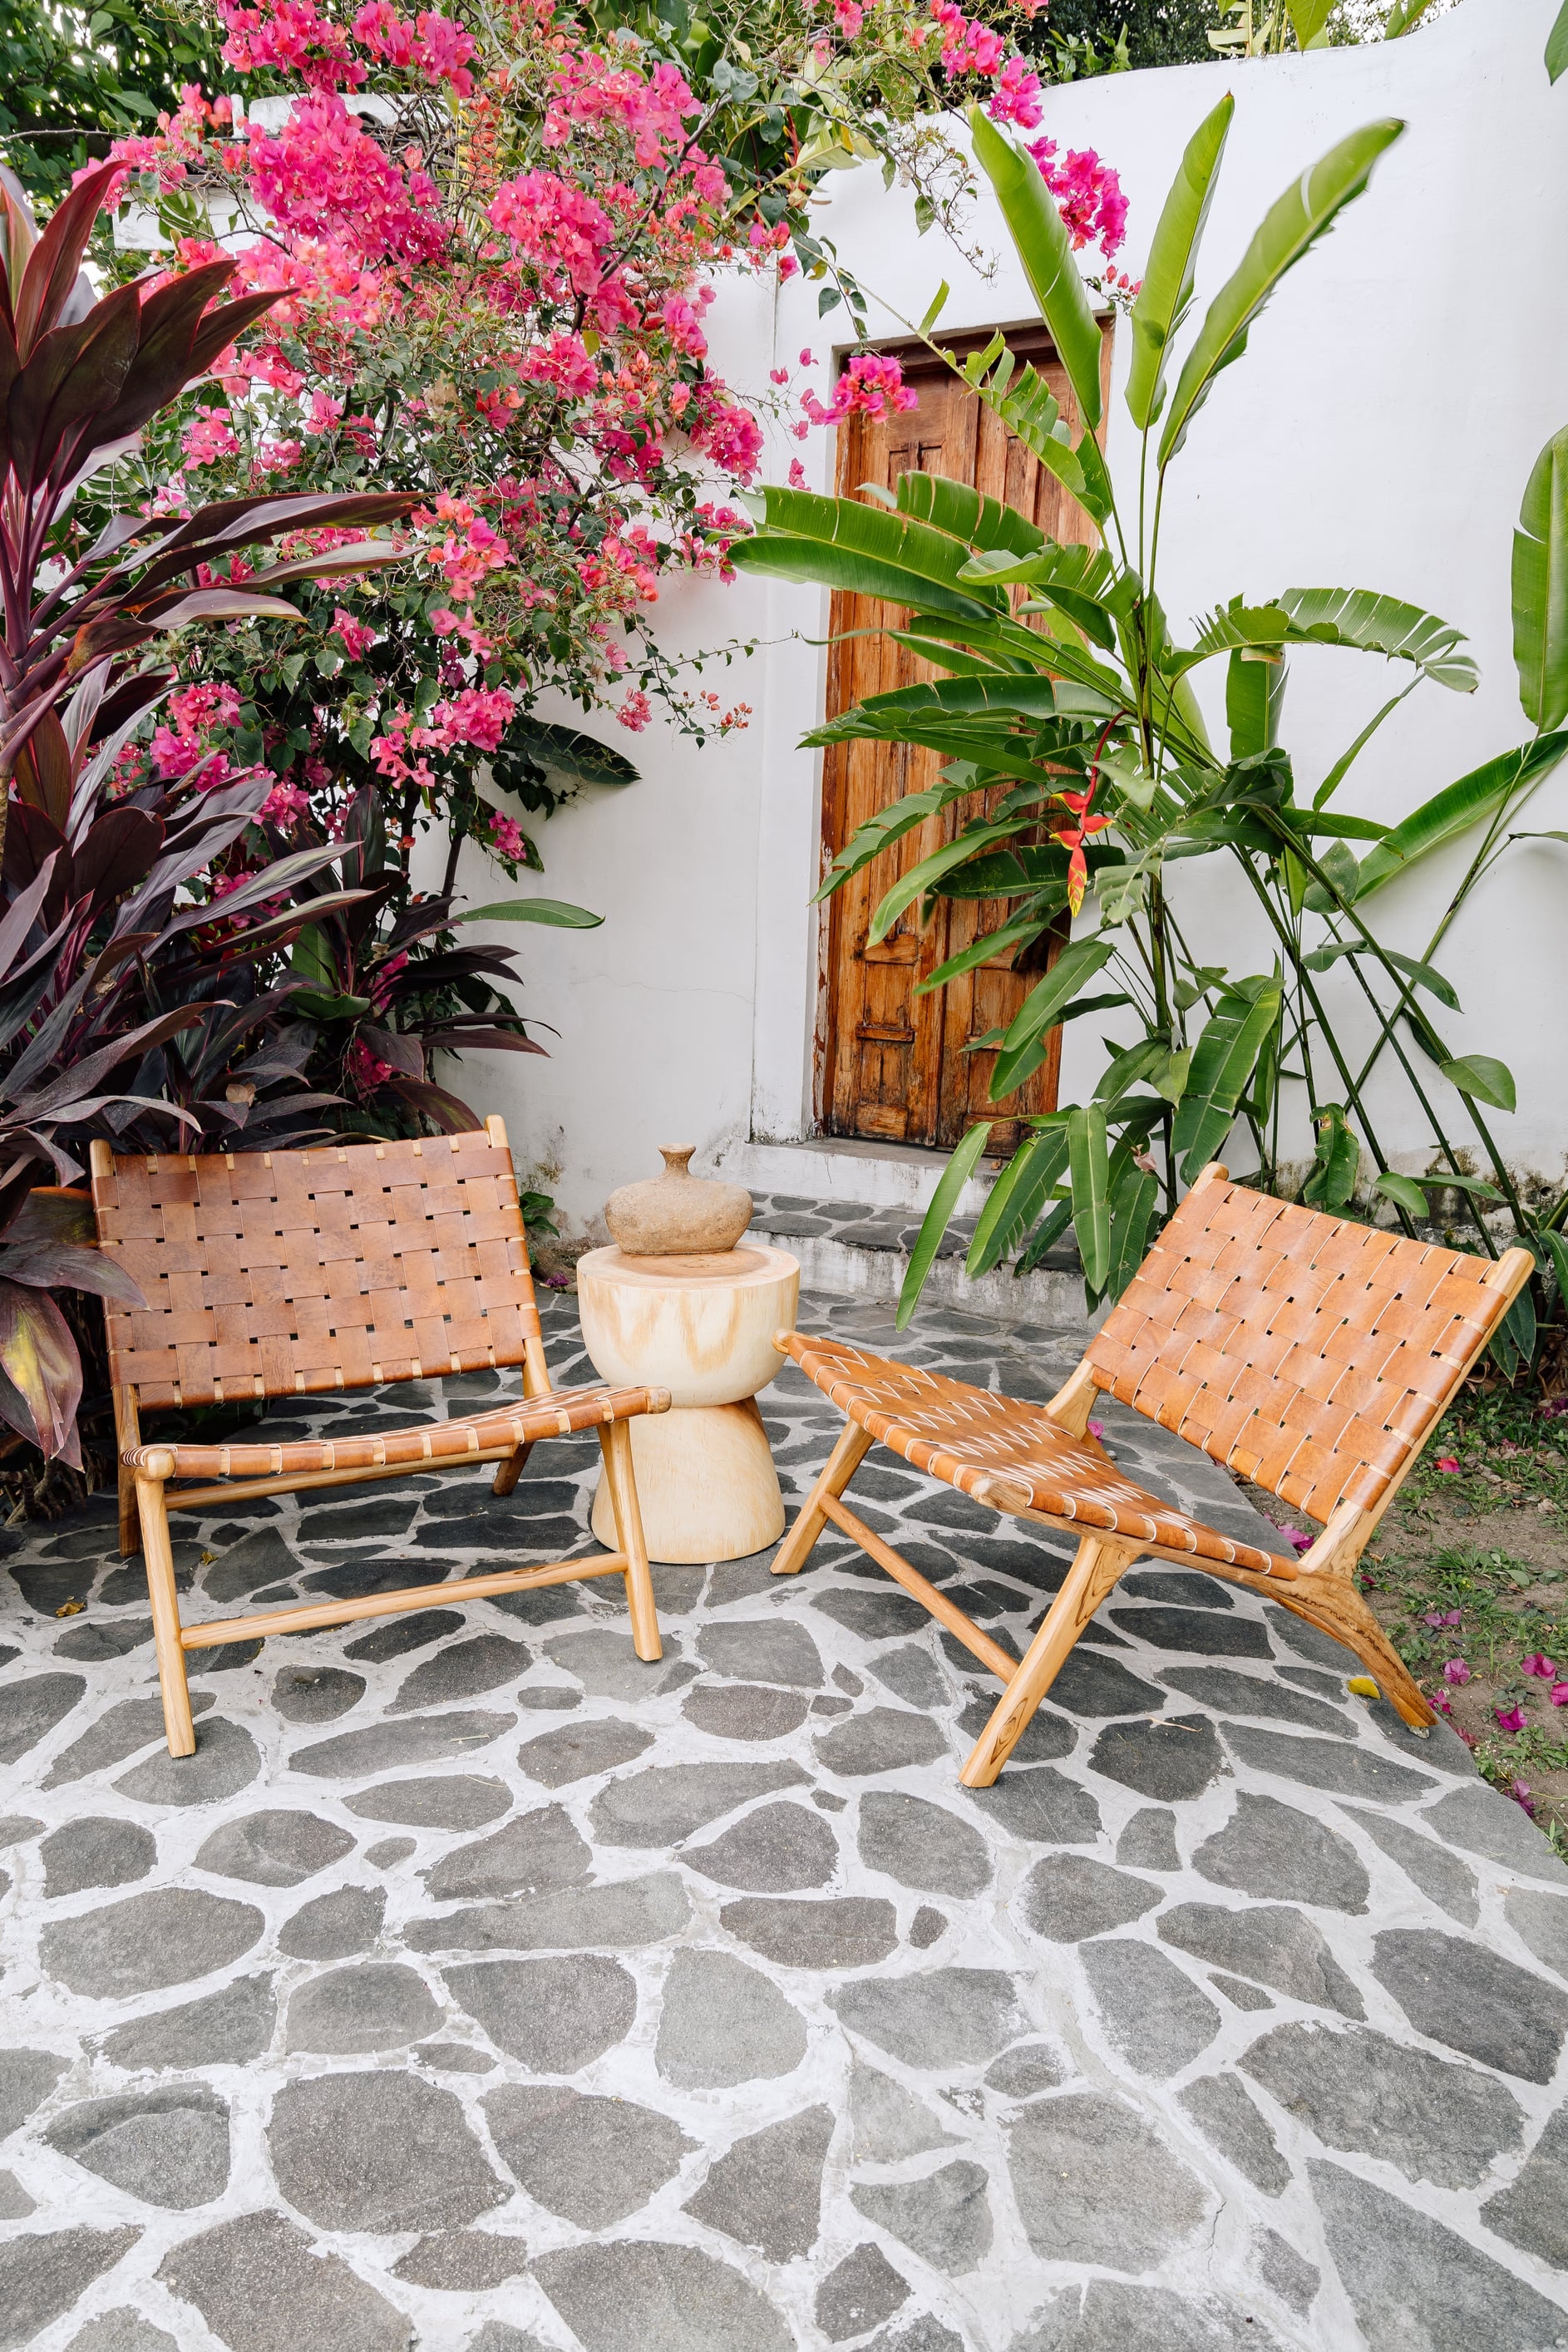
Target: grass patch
x=1469 y=1576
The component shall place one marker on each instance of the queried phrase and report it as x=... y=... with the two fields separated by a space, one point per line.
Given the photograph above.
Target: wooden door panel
x=898 y=1066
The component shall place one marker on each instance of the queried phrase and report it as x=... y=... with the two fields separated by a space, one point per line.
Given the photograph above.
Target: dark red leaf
x=56 y=259
x=54 y=1213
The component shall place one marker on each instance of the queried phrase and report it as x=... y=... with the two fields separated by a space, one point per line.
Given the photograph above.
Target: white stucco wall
x=1378 y=434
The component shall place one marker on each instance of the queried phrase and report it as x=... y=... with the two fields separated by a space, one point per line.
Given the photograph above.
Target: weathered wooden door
x=895 y=1064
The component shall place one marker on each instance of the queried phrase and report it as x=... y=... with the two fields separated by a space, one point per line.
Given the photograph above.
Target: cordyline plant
x=92 y=891
x=1079 y=765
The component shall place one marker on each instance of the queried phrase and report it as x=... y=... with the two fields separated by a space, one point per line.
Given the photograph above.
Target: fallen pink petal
x=1510 y=1719
x=1541 y=1665
x=1522 y=1794
x=1456 y=1671
x=1558 y=1694
x=1447 y=1462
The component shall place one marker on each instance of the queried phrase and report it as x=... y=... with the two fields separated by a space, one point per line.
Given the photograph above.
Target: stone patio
x=477 y=1987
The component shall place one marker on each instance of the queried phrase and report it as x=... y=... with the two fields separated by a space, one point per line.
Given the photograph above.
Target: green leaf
x=934 y=1223
x=1288 y=232
x=1331 y=1183
x=1472 y=800
x=1488 y=1080
x=555 y=911
x=1041 y=1009
x=1132 y=1213
x=1411 y=1192
x=1222 y=1062
x=1404 y=1190
x=937 y=306
x=890 y=824
x=1309 y=18
x=1557 y=45
x=1254 y=697
x=1515 y=1336
x=1404 y=17
x=1367 y=623
x=1016 y=1197
x=567 y=751
x=1557 y=1250
x=1166 y=293
x=1425 y=975
x=1540 y=588
x=1018 y=933
x=964 y=513
x=861 y=550
x=1347 y=760
x=919 y=877
x=1046 y=251
x=1088 y=1166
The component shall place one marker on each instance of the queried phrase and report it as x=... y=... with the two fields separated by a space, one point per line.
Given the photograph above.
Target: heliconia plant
x=1080 y=767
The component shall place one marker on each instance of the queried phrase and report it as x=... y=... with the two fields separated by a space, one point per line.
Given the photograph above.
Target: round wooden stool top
x=700 y=1326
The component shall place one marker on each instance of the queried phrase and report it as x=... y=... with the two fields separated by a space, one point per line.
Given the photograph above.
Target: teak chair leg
x=615 y=1445
x=1331 y=1602
x=129 y=1522
x=841 y=1466
x=159 y=1555
x=508 y=1471
x=1100 y=1563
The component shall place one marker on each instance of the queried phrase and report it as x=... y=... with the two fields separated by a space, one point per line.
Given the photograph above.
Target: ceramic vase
x=678 y=1214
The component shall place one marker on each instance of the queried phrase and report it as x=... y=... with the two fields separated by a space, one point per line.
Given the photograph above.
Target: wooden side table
x=703 y=1328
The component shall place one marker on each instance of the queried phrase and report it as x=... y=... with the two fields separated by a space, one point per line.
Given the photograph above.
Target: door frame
x=1028 y=340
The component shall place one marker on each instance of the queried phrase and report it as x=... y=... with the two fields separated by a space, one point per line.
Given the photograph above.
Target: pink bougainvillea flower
x=1298 y=1538
x=796 y=475
x=635 y=712
x=1447 y=1462
x=1510 y=1719
x=1558 y=1694
x=1096 y=1429
x=1456 y=1671
x=1442 y=1617
x=1522 y=1794
x=1541 y=1665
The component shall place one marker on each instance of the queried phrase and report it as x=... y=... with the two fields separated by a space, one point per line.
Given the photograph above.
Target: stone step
x=859 y=1249
x=851 y=1172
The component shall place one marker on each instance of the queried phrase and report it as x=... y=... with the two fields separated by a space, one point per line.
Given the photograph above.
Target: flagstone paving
x=476 y=1986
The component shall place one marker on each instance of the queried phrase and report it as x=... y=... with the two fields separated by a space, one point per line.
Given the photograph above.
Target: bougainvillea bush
x=497 y=241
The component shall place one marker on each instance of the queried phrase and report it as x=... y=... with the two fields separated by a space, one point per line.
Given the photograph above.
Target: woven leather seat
x=1010 y=1454
x=291 y=1273
x=478 y=1437
x=1311 y=1354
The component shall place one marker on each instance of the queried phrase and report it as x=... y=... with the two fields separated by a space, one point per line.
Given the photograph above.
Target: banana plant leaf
x=1169 y=274
x=966 y=514
x=1471 y=799
x=1289 y=229
x=1088 y=1167
x=1018 y=1196
x=1022 y=1048
x=1540 y=588
x=1043 y=247
x=1223 y=1061
x=937 y=1218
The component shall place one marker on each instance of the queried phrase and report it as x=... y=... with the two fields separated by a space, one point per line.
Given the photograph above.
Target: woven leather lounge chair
x=288 y=1274
x=1311 y=1355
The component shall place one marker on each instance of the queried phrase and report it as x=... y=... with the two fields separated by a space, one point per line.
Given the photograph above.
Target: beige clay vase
x=678 y=1214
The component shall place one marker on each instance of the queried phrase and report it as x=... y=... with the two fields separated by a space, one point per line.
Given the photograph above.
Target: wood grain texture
x=897 y=1065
